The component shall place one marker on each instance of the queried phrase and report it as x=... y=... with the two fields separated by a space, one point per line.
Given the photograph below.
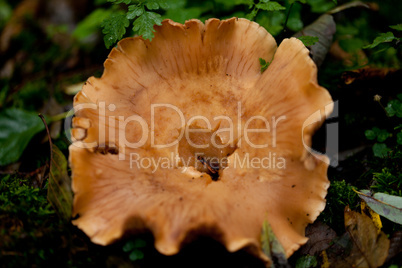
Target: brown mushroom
x=199 y=89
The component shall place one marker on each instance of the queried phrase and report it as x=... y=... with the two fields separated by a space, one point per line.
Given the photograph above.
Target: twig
x=50 y=140
x=287 y=18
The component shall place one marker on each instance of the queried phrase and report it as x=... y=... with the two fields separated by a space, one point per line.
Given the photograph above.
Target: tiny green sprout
x=133 y=247
x=308 y=41
x=377 y=98
x=264 y=64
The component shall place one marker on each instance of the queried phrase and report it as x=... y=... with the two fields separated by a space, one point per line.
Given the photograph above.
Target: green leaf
x=134 y=11
x=390 y=111
x=264 y=64
x=129 y=246
x=127 y=2
x=136 y=255
x=380 y=150
x=382 y=38
x=295 y=22
x=399 y=138
x=394 y=107
x=144 y=24
x=59 y=191
x=17 y=128
x=397 y=27
x=382 y=135
x=271 y=246
x=114 y=28
x=370 y=134
x=270 y=6
x=388 y=206
x=252 y=14
x=308 y=40
x=300 y=1
x=376 y=130
x=155 y=4
x=306 y=261
x=134 y=244
x=152 y=5
x=272 y=21
x=91 y=24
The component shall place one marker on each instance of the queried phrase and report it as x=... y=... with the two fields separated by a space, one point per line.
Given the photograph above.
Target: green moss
x=340 y=195
x=19 y=198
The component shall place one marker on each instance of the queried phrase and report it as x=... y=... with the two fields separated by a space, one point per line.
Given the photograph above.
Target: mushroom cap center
x=204 y=150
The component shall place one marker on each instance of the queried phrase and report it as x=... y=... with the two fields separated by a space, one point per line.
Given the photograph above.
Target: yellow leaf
x=373 y=215
x=361 y=246
x=371 y=248
x=325 y=261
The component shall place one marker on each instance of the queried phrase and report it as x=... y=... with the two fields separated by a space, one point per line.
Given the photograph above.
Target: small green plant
x=264 y=64
x=19 y=198
x=387 y=39
x=264 y=5
x=308 y=40
x=393 y=108
x=387 y=181
x=138 y=12
x=133 y=248
x=380 y=149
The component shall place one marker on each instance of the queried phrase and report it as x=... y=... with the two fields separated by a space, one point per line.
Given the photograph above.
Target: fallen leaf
x=361 y=245
x=388 y=206
x=272 y=248
x=367 y=74
x=59 y=191
x=395 y=246
x=320 y=237
x=306 y=261
x=324 y=29
x=325 y=261
x=349 y=5
x=375 y=217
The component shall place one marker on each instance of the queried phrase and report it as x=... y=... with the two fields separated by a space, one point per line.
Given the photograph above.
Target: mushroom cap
x=210 y=70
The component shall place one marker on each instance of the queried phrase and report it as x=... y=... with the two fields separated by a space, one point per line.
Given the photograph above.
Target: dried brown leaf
x=361 y=245
x=395 y=246
x=320 y=237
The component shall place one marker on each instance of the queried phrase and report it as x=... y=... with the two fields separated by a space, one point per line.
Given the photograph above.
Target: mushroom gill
x=183 y=134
